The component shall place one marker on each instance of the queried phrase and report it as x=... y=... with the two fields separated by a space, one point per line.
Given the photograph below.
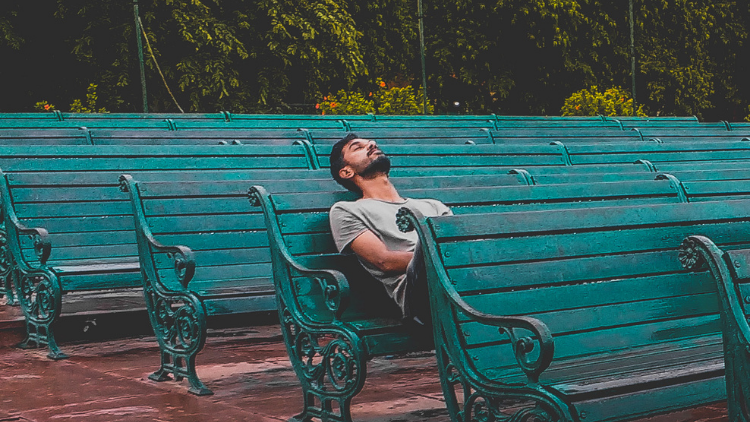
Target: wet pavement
x=105 y=378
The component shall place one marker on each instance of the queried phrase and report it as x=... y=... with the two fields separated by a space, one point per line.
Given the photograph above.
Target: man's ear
x=346 y=172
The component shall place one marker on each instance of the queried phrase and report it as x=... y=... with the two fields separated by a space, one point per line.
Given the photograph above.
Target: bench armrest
x=531 y=360
x=184 y=261
x=333 y=283
x=16 y=230
x=697 y=252
x=532 y=363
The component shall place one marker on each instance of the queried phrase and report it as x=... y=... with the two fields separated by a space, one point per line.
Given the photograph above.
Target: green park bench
x=196 y=136
x=67 y=228
x=589 y=156
x=61 y=136
x=599 y=323
x=358 y=125
x=725 y=256
x=223 y=243
x=407 y=136
x=676 y=124
x=87 y=136
x=656 y=119
x=335 y=318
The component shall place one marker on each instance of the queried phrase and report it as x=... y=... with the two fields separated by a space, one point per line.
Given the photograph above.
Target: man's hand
x=370 y=248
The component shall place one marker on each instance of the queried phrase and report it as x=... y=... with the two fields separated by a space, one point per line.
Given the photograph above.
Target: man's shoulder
x=344 y=205
x=341 y=208
x=430 y=207
x=430 y=201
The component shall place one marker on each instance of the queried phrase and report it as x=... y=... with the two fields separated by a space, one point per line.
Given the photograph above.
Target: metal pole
x=632 y=54
x=140 y=55
x=421 y=53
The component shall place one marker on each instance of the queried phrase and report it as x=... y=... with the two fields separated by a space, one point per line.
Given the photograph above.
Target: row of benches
x=344 y=123
x=563 y=311
x=197 y=197
x=87 y=136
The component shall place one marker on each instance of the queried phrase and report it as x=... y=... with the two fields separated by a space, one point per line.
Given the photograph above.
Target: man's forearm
x=395 y=261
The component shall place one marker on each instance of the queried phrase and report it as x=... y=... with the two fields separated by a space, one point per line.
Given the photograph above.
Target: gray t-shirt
x=350 y=219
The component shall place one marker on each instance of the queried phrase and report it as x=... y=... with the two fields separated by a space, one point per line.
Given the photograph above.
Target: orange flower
x=578 y=107
x=317 y=106
x=369 y=95
x=46 y=106
x=333 y=105
x=325 y=98
x=382 y=84
x=622 y=99
x=323 y=113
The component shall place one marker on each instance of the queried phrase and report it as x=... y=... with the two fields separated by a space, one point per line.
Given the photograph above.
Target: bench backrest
x=72 y=192
x=601 y=279
x=408 y=136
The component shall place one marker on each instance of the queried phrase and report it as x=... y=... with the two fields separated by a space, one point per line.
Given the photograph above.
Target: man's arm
x=370 y=248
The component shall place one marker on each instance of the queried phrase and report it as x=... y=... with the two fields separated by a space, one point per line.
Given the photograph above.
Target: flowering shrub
x=77 y=105
x=346 y=103
x=384 y=100
x=43 y=106
x=592 y=102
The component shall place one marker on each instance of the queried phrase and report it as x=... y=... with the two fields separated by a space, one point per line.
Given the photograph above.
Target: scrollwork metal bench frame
x=541 y=365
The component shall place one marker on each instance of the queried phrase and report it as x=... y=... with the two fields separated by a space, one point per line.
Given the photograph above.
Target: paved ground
x=106 y=380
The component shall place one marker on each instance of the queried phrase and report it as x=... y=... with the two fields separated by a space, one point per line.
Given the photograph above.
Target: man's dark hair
x=337 y=162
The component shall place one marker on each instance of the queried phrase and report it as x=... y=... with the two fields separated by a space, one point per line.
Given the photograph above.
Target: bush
x=384 y=100
x=592 y=102
x=44 y=106
x=77 y=105
x=346 y=103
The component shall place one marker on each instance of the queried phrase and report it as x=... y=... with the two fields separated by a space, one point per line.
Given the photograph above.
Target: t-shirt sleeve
x=345 y=226
x=441 y=209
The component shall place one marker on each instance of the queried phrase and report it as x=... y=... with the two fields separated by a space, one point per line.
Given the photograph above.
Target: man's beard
x=380 y=165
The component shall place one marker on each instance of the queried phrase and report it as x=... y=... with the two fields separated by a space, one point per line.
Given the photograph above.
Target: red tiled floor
x=247 y=369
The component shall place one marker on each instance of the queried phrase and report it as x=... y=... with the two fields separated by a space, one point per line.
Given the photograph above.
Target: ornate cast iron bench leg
x=179 y=322
x=329 y=365
x=6 y=263
x=40 y=297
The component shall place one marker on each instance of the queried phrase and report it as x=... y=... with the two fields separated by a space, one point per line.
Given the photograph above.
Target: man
x=367 y=226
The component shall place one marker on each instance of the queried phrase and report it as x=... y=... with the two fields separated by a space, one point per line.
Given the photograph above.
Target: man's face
x=363 y=157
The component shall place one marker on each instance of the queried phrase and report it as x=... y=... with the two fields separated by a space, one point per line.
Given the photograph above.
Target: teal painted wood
x=656 y=119
x=416 y=124
x=408 y=136
x=197 y=136
x=727 y=261
x=225 y=247
x=71 y=192
x=301 y=244
x=589 y=322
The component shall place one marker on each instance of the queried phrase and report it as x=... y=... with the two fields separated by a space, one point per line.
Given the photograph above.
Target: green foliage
x=77 y=105
x=346 y=102
x=7 y=34
x=506 y=57
x=384 y=100
x=592 y=102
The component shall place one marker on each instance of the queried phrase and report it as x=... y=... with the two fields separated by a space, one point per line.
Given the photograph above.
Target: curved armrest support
x=16 y=229
x=184 y=261
x=698 y=252
x=333 y=283
x=524 y=346
x=532 y=361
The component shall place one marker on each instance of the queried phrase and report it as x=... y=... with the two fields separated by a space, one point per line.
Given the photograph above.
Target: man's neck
x=379 y=187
